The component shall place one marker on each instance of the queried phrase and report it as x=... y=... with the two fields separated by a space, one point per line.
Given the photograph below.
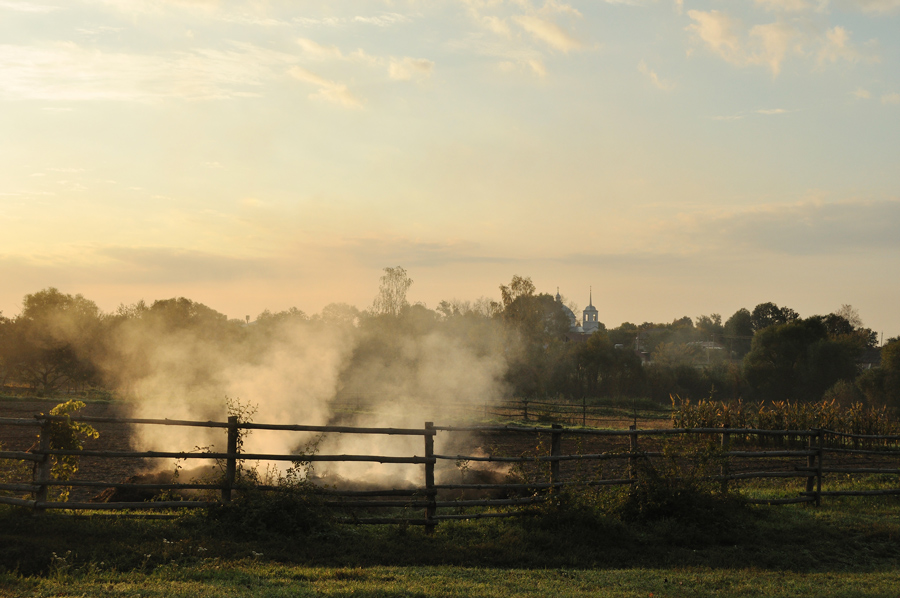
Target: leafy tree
x=340 y=314
x=797 y=361
x=685 y=322
x=624 y=335
x=881 y=385
x=520 y=286
x=6 y=349
x=710 y=327
x=769 y=314
x=846 y=324
x=54 y=340
x=182 y=313
x=738 y=331
x=270 y=319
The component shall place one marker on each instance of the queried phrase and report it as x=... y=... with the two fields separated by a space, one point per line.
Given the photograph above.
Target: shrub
x=680 y=484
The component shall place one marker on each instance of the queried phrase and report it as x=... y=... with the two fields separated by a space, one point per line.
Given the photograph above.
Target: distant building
x=590 y=317
x=590 y=320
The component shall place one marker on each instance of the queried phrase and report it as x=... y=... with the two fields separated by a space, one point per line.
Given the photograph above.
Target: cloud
x=497 y=25
x=836 y=46
x=769 y=44
x=654 y=78
x=323 y=22
x=385 y=20
x=774 y=40
x=166 y=264
x=716 y=29
x=537 y=67
x=406 y=69
x=890 y=98
x=136 y=265
x=329 y=91
x=19 y=6
x=255 y=20
x=722 y=35
x=874 y=6
x=802 y=228
x=784 y=5
x=862 y=94
x=771 y=111
x=549 y=33
x=69 y=72
x=317 y=51
x=376 y=251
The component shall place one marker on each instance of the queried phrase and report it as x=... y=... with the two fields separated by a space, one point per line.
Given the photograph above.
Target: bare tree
x=391 y=298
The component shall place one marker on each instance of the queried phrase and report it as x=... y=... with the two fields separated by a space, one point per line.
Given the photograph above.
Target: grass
x=848 y=547
x=256 y=578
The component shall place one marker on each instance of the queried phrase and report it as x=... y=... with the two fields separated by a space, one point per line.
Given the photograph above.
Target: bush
x=256 y=514
x=680 y=484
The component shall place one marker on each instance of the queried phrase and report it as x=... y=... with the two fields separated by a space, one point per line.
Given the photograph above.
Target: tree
x=54 y=339
x=710 y=327
x=797 y=361
x=881 y=385
x=391 y=299
x=845 y=323
x=6 y=349
x=520 y=286
x=738 y=332
x=270 y=319
x=340 y=314
x=769 y=314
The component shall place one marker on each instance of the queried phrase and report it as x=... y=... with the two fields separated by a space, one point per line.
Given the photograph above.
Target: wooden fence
x=804 y=454
x=527 y=410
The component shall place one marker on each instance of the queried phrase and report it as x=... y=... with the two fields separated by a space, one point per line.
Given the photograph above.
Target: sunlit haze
x=679 y=158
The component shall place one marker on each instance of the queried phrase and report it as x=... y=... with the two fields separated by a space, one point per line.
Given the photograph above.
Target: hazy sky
x=680 y=157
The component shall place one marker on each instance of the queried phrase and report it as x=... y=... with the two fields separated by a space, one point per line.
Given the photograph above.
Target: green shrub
x=256 y=514
x=680 y=484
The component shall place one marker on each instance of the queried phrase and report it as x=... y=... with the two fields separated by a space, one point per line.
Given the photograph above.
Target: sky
x=668 y=158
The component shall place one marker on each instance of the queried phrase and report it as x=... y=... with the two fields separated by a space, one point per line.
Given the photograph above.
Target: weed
x=67 y=435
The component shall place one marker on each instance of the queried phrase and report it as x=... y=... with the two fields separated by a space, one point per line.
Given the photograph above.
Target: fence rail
x=431 y=496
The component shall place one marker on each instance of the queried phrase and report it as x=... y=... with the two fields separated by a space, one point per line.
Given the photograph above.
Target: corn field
x=785 y=415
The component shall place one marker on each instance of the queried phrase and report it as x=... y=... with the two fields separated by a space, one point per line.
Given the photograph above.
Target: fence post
x=555 y=442
x=584 y=411
x=811 y=464
x=726 y=464
x=525 y=406
x=231 y=459
x=42 y=468
x=430 y=492
x=820 y=433
x=632 y=460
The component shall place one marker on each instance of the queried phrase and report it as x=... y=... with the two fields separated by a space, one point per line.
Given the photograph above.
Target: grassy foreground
x=848 y=547
x=246 y=578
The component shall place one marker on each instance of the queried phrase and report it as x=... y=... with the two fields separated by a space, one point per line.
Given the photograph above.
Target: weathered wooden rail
x=547 y=473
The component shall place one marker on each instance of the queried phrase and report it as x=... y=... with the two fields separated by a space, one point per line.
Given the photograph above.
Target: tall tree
x=391 y=299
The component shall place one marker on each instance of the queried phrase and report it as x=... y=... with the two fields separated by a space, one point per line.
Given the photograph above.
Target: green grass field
x=848 y=547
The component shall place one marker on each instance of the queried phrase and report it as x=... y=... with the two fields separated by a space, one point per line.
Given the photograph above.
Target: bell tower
x=590 y=316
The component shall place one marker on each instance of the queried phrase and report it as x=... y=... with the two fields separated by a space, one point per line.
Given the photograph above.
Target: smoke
x=400 y=371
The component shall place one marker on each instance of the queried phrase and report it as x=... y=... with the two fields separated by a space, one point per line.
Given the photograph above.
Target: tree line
x=63 y=342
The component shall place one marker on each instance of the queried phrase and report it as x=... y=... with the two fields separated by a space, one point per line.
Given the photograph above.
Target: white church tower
x=590 y=317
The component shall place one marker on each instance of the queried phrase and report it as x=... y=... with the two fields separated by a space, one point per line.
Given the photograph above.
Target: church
x=590 y=319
